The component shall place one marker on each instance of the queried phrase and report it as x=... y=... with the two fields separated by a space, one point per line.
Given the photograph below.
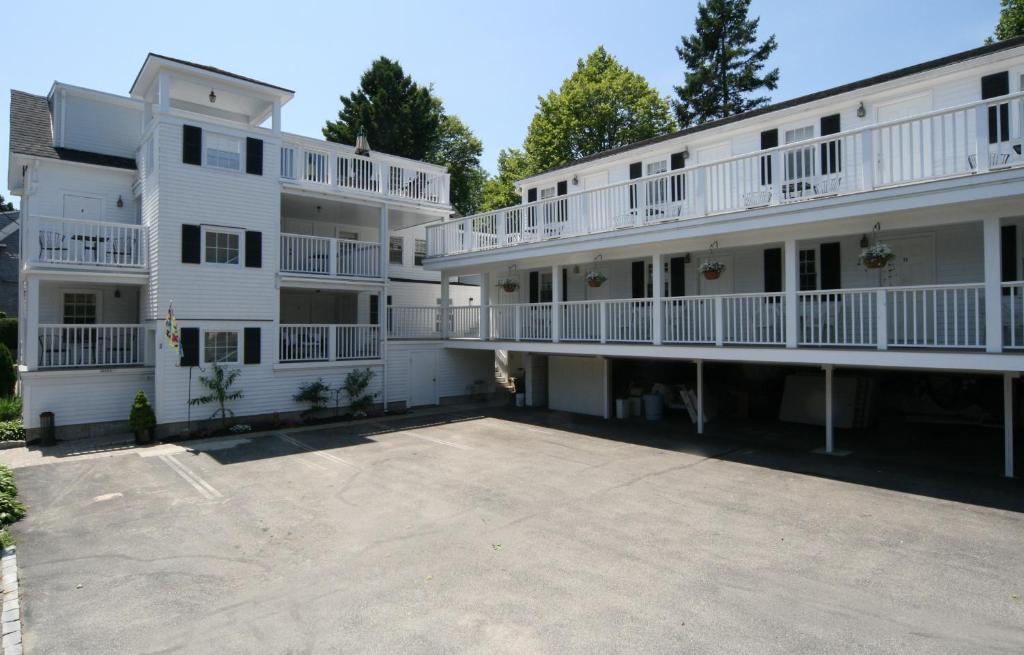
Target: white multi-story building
x=740 y=240
x=280 y=254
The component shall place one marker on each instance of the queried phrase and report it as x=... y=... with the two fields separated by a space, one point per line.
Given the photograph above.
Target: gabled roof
x=31 y=134
x=208 y=69
x=802 y=100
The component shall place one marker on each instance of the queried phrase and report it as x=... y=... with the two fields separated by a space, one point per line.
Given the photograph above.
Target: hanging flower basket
x=596 y=279
x=509 y=285
x=711 y=269
x=877 y=256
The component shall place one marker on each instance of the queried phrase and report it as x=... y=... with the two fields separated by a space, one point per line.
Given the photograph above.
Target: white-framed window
x=657 y=167
x=80 y=308
x=657 y=190
x=799 y=162
x=420 y=252
x=395 y=250
x=547 y=193
x=221 y=245
x=223 y=151
x=220 y=347
x=808 y=269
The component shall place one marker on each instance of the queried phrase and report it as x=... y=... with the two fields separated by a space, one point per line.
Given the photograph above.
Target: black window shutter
x=769 y=139
x=191 y=145
x=374 y=310
x=636 y=169
x=253 y=156
x=191 y=237
x=563 y=188
x=993 y=86
x=534 y=286
x=565 y=284
x=531 y=195
x=639 y=288
x=677 y=276
x=189 y=346
x=830 y=125
x=773 y=270
x=253 y=249
x=830 y=266
x=830 y=151
x=677 y=161
x=251 y=354
x=1008 y=254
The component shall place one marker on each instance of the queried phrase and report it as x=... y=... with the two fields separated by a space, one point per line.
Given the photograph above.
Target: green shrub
x=10 y=408
x=8 y=374
x=9 y=333
x=6 y=540
x=12 y=430
x=10 y=509
x=355 y=386
x=7 y=486
x=314 y=394
x=141 y=417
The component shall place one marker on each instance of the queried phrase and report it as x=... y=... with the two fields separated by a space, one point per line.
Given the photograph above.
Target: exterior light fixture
x=362 y=144
x=120 y=201
x=575 y=180
x=117 y=293
x=861 y=112
x=863 y=241
x=213 y=97
x=686 y=154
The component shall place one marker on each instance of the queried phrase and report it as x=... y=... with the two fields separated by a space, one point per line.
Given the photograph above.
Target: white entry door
x=83 y=207
x=422 y=378
x=914 y=261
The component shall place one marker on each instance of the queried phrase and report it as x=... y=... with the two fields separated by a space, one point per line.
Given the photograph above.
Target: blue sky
x=488 y=64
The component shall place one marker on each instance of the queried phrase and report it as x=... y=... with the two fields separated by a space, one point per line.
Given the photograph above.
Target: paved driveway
x=520 y=533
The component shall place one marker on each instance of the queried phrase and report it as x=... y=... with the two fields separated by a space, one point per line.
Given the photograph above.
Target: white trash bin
x=621 y=408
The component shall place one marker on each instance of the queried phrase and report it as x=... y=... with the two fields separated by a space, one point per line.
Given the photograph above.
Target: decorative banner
x=171 y=328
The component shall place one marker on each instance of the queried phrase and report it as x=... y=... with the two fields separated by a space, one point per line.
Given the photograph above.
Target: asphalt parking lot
x=496 y=531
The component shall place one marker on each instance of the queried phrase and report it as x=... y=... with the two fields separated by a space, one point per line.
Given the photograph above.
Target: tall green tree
x=4 y=205
x=602 y=105
x=500 y=190
x=1011 y=21
x=459 y=149
x=400 y=116
x=724 y=64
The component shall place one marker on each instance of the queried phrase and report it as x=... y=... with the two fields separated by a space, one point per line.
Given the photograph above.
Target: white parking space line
x=434 y=440
x=319 y=453
x=202 y=486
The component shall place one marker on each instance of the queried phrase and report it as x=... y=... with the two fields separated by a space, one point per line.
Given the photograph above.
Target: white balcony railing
x=951 y=316
x=327 y=343
x=939 y=144
x=840 y=317
x=309 y=255
x=84 y=346
x=414 y=322
x=1013 y=315
x=85 y=243
x=322 y=164
x=464 y=322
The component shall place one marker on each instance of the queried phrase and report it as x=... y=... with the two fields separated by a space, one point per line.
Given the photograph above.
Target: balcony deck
x=942 y=144
x=97 y=245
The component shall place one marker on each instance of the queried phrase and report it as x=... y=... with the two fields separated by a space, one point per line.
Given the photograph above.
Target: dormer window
x=223 y=151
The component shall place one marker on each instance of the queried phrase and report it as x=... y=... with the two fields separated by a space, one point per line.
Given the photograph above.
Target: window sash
x=221 y=247
x=395 y=250
x=80 y=308
x=223 y=152
x=220 y=347
x=420 y=252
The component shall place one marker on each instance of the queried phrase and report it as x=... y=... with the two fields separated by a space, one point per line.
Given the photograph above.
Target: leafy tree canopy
x=1011 y=21
x=460 y=150
x=4 y=205
x=724 y=64
x=500 y=190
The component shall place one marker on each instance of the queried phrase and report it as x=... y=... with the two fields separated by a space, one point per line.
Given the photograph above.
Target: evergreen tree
x=400 y=117
x=460 y=150
x=1011 y=21
x=4 y=205
x=724 y=64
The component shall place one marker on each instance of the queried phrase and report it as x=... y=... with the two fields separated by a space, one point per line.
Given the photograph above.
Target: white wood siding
x=78 y=397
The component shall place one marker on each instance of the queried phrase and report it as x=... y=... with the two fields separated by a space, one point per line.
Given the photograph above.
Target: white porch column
x=275 y=121
x=829 y=441
x=700 y=396
x=163 y=90
x=556 y=303
x=791 y=276
x=993 y=286
x=383 y=311
x=658 y=294
x=485 y=306
x=31 y=318
x=1008 y=423
x=445 y=303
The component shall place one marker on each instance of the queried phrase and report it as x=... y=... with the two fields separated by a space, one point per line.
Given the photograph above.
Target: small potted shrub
x=877 y=256
x=142 y=419
x=509 y=285
x=596 y=279
x=711 y=269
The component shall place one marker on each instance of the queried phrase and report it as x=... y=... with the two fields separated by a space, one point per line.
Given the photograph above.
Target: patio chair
x=121 y=250
x=995 y=159
x=51 y=243
x=757 y=198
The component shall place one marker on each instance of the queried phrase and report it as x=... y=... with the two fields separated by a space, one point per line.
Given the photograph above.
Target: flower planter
x=510 y=287
x=594 y=283
x=712 y=275
x=875 y=263
x=143 y=437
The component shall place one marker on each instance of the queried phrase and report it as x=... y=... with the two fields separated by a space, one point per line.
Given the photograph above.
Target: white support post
x=332 y=343
x=775 y=165
x=981 y=138
x=163 y=90
x=445 y=303
x=829 y=440
x=882 y=318
x=30 y=309
x=468 y=238
x=383 y=311
x=993 y=285
x=556 y=303
x=867 y=159
x=700 y=188
x=700 y=396
x=791 y=263
x=275 y=121
x=657 y=304
x=719 y=308
x=1008 y=424
x=485 y=306
x=603 y=320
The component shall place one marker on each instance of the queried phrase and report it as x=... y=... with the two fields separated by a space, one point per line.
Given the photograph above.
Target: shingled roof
x=31 y=134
